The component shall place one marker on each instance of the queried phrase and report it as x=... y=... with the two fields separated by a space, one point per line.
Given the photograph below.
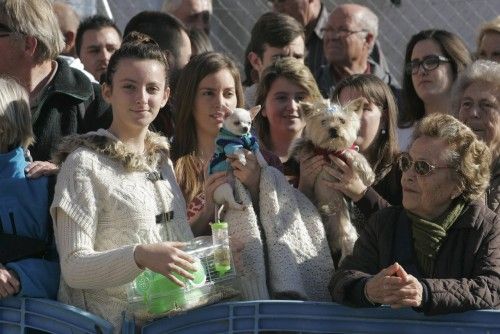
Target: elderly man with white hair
x=349 y=38
x=193 y=13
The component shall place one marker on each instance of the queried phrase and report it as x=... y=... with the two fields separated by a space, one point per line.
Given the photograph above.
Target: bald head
x=361 y=15
x=68 y=23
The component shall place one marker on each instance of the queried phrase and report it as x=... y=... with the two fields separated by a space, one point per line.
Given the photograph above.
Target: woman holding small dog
x=377 y=141
x=440 y=251
x=209 y=81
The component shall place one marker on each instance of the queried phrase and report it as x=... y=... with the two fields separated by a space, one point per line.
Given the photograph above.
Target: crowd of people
x=106 y=138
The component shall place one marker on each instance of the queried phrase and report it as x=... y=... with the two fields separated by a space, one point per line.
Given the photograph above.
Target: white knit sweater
x=101 y=210
x=284 y=254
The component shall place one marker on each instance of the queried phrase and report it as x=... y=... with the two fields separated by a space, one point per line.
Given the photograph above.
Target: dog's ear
x=254 y=111
x=227 y=111
x=306 y=108
x=355 y=106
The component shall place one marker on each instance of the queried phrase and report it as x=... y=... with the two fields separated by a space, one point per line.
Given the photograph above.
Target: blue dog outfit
x=228 y=143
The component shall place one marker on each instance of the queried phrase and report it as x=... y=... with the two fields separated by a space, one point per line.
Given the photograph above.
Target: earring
x=383 y=132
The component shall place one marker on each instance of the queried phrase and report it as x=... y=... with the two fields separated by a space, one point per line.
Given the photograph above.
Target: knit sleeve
x=75 y=216
x=84 y=268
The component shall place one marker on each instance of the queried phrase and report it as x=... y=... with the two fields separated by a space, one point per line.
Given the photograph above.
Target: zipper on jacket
x=1 y=225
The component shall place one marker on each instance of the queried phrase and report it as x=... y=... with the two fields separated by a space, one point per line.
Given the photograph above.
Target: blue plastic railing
x=313 y=317
x=20 y=315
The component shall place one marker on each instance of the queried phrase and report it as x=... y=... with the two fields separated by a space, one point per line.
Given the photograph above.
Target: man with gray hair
x=349 y=37
x=193 y=13
x=63 y=100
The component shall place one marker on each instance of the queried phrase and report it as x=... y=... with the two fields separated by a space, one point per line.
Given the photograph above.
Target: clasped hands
x=393 y=286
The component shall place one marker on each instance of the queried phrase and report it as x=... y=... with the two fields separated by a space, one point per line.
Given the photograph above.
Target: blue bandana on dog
x=226 y=144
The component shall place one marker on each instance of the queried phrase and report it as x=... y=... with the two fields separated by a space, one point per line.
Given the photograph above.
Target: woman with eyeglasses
x=432 y=61
x=476 y=101
x=439 y=252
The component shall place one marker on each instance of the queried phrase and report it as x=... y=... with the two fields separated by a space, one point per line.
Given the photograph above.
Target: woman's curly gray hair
x=470 y=157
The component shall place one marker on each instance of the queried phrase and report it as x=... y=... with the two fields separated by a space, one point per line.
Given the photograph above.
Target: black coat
x=466 y=272
x=71 y=104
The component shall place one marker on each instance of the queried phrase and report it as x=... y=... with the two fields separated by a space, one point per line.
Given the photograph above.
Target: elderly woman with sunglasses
x=433 y=59
x=440 y=251
x=476 y=100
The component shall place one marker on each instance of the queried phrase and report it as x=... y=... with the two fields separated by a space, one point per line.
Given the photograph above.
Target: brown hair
x=274 y=29
x=188 y=167
x=292 y=70
x=383 y=152
x=136 y=46
x=453 y=48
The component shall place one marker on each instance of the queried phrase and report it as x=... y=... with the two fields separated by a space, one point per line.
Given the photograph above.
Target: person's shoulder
x=72 y=82
x=479 y=216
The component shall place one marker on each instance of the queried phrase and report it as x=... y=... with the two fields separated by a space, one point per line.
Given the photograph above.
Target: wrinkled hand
x=310 y=167
x=248 y=174
x=407 y=293
x=165 y=258
x=348 y=181
x=36 y=169
x=9 y=282
x=393 y=286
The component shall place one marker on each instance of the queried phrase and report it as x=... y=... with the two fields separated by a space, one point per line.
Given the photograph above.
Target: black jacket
x=71 y=104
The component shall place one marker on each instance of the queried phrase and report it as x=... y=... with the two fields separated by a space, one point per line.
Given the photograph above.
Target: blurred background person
x=199 y=42
x=349 y=37
x=273 y=36
x=193 y=13
x=312 y=15
x=433 y=59
x=63 y=101
x=488 y=40
x=476 y=100
x=97 y=38
x=68 y=23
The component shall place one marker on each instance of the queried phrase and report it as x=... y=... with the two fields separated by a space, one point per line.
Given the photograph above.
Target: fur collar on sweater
x=103 y=142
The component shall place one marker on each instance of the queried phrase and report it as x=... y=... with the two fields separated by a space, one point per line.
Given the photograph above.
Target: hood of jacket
x=156 y=149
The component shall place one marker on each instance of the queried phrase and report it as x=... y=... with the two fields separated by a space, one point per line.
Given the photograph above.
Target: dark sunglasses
x=422 y=168
x=429 y=63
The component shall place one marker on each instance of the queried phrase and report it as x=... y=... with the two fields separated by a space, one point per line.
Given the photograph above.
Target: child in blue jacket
x=28 y=260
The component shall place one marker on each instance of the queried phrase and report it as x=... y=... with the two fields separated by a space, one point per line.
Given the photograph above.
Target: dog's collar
x=339 y=154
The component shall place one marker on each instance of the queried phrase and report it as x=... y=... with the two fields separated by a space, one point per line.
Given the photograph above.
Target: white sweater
x=101 y=211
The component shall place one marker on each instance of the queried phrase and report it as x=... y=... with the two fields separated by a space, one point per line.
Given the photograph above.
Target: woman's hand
x=36 y=169
x=212 y=182
x=9 y=282
x=405 y=293
x=166 y=258
x=348 y=181
x=248 y=174
x=393 y=286
x=310 y=166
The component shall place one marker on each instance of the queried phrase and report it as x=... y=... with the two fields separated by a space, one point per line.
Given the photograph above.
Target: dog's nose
x=245 y=129
x=333 y=132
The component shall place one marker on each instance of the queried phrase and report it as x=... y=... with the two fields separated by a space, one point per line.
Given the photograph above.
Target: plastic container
x=222 y=252
x=153 y=295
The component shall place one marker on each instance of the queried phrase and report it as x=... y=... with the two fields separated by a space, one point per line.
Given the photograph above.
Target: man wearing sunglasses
x=349 y=37
x=63 y=100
